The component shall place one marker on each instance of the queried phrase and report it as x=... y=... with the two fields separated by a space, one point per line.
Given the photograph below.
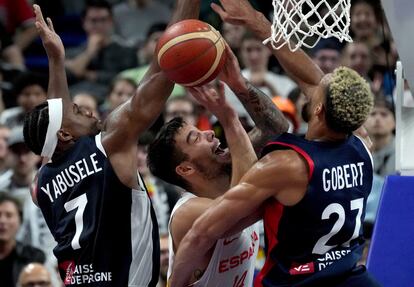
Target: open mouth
x=218 y=150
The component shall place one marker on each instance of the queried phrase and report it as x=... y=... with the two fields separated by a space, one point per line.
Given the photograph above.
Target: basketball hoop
x=302 y=23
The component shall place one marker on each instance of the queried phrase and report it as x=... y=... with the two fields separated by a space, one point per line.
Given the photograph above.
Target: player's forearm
x=58 y=85
x=269 y=120
x=297 y=64
x=243 y=155
x=148 y=102
x=185 y=9
x=192 y=250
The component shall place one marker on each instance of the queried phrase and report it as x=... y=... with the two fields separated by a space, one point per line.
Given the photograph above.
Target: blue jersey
x=320 y=238
x=106 y=232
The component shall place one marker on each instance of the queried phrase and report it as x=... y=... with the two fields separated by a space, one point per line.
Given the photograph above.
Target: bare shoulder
x=185 y=215
x=280 y=165
x=284 y=173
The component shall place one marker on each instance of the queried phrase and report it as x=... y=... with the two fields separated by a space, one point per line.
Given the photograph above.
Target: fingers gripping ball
x=191 y=53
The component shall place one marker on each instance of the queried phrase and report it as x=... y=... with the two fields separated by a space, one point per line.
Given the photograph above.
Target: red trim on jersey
x=34 y=188
x=301 y=152
x=273 y=214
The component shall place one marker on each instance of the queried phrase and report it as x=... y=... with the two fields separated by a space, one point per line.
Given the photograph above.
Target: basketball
x=191 y=53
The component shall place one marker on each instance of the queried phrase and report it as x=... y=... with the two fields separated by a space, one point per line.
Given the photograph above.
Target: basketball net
x=300 y=23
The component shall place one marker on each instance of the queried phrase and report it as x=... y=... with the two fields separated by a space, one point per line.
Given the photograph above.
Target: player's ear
x=184 y=169
x=64 y=136
x=319 y=109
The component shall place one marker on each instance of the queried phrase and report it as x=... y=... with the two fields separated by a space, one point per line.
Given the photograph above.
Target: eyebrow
x=189 y=136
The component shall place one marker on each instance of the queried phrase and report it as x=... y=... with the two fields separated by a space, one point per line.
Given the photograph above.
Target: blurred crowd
x=109 y=46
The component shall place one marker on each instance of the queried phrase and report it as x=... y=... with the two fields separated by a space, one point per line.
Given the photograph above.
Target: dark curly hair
x=164 y=157
x=35 y=127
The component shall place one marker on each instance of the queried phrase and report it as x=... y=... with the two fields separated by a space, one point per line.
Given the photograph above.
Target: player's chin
x=224 y=157
x=97 y=127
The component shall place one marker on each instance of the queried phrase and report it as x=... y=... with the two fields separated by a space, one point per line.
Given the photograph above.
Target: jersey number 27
x=321 y=246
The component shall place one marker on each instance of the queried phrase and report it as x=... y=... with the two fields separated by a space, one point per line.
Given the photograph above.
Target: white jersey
x=233 y=261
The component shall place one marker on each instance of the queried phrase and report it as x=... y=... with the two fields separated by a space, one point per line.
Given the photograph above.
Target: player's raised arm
x=58 y=85
x=280 y=174
x=126 y=123
x=297 y=64
x=269 y=120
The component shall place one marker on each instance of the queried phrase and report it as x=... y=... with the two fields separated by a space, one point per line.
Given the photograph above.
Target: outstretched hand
x=214 y=100
x=235 y=12
x=51 y=41
x=231 y=73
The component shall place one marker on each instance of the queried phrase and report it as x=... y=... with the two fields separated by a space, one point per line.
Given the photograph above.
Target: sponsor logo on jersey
x=242 y=258
x=68 y=267
x=227 y=241
x=302 y=269
x=330 y=257
x=82 y=274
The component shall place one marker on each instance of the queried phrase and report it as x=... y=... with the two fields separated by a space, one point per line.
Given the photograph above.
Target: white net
x=299 y=23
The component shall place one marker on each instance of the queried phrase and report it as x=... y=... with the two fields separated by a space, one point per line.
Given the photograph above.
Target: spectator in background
x=365 y=18
x=30 y=90
x=34 y=274
x=327 y=54
x=357 y=56
x=23 y=166
x=9 y=52
x=34 y=230
x=5 y=171
x=163 y=195
x=133 y=18
x=385 y=58
x=255 y=57
x=18 y=19
x=120 y=91
x=87 y=101
x=180 y=107
x=95 y=63
x=368 y=25
x=146 y=53
x=380 y=126
x=233 y=34
x=14 y=255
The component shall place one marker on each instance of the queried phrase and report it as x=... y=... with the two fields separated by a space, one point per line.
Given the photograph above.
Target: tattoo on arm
x=269 y=120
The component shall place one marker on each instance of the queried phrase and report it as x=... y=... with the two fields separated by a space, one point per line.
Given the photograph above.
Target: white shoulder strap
x=98 y=141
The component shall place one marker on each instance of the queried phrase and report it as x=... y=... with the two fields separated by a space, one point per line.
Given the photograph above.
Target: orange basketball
x=191 y=53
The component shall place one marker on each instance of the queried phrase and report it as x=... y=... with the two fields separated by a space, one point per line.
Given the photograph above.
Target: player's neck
x=320 y=132
x=6 y=248
x=211 y=188
x=61 y=149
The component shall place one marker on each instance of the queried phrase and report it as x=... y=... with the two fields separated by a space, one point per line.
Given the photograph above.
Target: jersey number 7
x=78 y=203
